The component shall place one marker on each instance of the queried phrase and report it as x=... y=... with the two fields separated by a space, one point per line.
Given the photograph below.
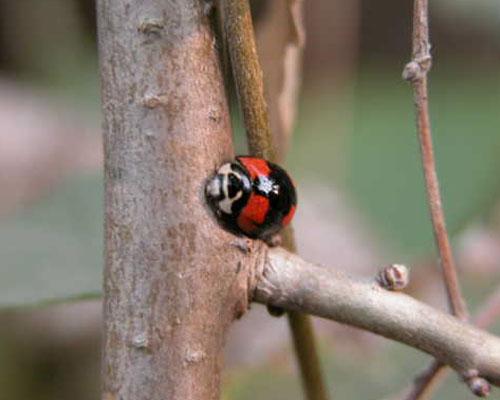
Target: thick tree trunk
x=173 y=279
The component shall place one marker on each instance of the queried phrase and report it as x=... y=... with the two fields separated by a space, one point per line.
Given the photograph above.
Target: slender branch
x=416 y=72
x=247 y=74
x=489 y=312
x=436 y=372
x=304 y=343
x=285 y=280
x=424 y=384
x=307 y=355
x=248 y=77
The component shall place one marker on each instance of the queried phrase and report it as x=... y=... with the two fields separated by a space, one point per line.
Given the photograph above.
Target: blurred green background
x=354 y=154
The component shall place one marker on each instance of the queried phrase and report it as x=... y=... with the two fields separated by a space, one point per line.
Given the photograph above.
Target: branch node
x=194 y=356
x=150 y=134
x=214 y=116
x=394 y=277
x=479 y=386
x=151 y=26
x=154 y=100
x=140 y=341
x=417 y=68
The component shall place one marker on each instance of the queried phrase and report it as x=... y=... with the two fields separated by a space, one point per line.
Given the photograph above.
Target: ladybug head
x=228 y=190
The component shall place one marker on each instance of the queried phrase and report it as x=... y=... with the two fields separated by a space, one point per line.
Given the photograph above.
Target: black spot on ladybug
x=234 y=185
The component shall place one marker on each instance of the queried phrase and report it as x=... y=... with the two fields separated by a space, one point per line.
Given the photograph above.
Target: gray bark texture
x=174 y=280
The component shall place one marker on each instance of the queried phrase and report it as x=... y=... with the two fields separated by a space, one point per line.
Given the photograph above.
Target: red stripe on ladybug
x=246 y=225
x=254 y=213
x=289 y=216
x=255 y=166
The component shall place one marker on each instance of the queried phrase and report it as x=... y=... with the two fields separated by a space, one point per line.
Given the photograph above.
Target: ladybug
x=252 y=197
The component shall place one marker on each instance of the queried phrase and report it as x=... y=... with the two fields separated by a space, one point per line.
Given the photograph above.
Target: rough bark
x=173 y=279
x=287 y=281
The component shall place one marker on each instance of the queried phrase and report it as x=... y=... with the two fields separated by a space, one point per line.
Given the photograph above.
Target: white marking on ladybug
x=226 y=203
x=220 y=185
x=216 y=184
x=267 y=186
x=213 y=187
x=225 y=169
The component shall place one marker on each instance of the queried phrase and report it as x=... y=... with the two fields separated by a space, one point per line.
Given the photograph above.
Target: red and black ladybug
x=252 y=196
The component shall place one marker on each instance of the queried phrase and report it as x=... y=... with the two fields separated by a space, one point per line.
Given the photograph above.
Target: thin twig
x=248 y=77
x=303 y=340
x=285 y=280
x=489 y=312
x=416 y=72
x=250 y=88
x=427 y=381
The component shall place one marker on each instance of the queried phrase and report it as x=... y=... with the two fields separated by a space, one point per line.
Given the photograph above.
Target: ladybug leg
x=273 y=240
x=275 y=311
x=243 y=244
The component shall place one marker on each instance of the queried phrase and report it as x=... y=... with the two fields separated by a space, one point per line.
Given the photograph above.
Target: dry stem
x=248 y=77
x=416 y=72
x=426 y=381
x=287 y=281
x=250 y=88
x=418 y=77
x=436 y=372
x=304 y=343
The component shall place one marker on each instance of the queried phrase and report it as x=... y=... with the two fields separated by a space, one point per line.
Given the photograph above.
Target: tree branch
x=416 y=72
x=167 y=301
x=250 y=88
x=424 y=384
x=285 y=280
x=248 y=77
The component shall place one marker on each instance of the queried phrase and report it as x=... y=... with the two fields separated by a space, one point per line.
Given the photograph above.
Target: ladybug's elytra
x=252 y=196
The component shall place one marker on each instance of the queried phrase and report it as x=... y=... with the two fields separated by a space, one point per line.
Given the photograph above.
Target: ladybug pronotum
x=252 y=197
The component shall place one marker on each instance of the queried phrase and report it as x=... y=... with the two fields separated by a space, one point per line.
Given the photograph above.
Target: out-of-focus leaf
x=54 y=251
